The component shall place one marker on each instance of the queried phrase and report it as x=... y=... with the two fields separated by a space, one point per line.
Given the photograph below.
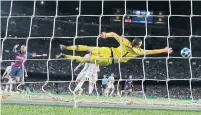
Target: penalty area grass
x=15 y=109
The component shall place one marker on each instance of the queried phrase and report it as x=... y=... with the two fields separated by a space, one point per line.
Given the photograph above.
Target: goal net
x=44 y=27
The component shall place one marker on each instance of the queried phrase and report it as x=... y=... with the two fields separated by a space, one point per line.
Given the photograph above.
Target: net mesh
x=146 y=62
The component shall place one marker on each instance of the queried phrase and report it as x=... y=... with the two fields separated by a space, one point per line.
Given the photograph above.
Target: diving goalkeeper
x=109 y=55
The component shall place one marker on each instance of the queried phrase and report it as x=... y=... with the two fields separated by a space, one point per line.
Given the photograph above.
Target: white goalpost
x=74 y=99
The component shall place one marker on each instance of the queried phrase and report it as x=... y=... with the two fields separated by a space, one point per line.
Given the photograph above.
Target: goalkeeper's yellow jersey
x=125 y=51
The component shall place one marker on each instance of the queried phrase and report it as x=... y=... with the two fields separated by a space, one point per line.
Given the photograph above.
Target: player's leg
x=93 y=59
x=3 y=81
x=129 y=91
x=122 y=88
x=125 y=90
x=79 y=85
x=98 y=51
x=122 y=92
x=91 y=87
x=102 y=52
x=77 y=58
x=92 y=81
x=12 y=82
x=76 y=47
x=107 y=91
x=18 y=78
x=9 y=85
x=112 y=90
x=11 y=77
x=78 y=80
x=80 y=76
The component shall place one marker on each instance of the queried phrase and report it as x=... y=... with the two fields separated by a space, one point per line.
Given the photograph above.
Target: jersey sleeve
x=140 y=51
x=29 y=55
x=120 y=39
x=16 y=52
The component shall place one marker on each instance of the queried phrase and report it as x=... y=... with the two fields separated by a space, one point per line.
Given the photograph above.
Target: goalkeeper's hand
x=168 y=50
x=103 y=35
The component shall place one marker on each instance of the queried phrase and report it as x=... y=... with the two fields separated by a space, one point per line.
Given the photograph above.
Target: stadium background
x=155 y=69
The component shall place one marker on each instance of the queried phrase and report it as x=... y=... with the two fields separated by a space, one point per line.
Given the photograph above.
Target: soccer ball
x=186 y=52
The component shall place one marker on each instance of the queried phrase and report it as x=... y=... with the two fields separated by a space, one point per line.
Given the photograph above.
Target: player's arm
x=31 y=55
x=15 y=51
x=76 y=58
x=80 y=64
x=140 y=51
x=71 y=57
x=120 y=39
x=15 y=48
x=42 y=55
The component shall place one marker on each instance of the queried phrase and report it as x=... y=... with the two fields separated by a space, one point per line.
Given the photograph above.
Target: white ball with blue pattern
x=186 y=52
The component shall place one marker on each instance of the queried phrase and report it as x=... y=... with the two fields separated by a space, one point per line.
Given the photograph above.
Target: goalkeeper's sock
x=77 y=47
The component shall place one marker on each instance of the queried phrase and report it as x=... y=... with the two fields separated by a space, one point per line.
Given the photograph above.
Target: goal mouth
x=66 y=61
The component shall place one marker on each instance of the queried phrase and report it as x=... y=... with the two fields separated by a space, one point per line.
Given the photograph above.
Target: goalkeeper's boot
x=62 y=47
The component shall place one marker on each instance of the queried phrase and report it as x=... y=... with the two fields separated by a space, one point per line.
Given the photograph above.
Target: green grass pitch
x=14 y=109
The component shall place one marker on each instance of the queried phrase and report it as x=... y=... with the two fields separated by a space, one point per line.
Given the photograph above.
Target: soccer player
x=110 y=85
x=109 y=55
x=16 y=73
x=128 y=86
x=7 y=71
x=104 y=84
x=6 y=75
x=88 y=72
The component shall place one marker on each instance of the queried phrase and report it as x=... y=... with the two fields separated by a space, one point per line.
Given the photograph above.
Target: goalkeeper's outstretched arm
x=140 y=51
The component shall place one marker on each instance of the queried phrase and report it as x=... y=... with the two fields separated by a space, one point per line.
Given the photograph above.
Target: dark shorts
x=126 y=87
x=104 y=86
x=16 y=71
x=121 y=85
